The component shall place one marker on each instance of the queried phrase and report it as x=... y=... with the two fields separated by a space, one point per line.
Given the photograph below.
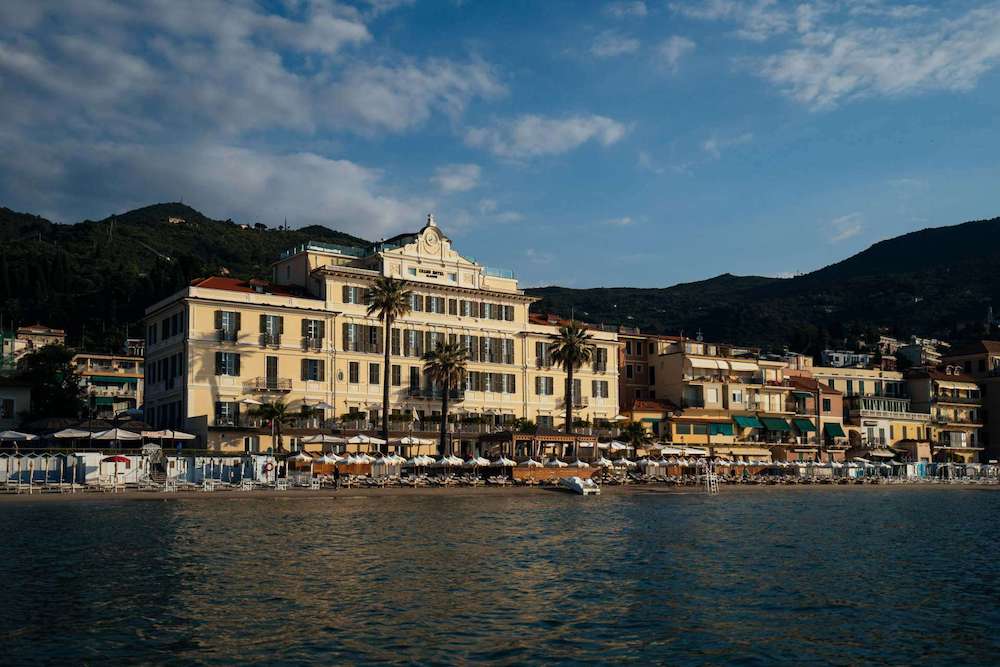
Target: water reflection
x=783 y=575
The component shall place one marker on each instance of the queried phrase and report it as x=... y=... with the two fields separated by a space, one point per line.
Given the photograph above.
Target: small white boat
x=585 y=487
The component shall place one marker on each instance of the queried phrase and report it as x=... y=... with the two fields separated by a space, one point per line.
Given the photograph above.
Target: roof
x=40 y=329
x=811 y=384
x=237 y=285
x=975 y=347
x=653 y=405
x=934 y=374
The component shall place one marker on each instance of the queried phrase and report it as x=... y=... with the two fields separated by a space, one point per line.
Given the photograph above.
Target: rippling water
x=844 y=575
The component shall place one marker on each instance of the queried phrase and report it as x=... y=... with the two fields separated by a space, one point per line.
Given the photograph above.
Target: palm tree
x=278 y=414
x=389 y=300
x=571 y=348
x=445 y=365
x=635 y=435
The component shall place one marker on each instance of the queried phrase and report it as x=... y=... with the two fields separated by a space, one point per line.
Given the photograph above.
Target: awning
x=743 y=366
x=114 y=379
x=741 y=451
x=803 y=394
x=945 y=384
x=804 y=425
x=720 y=429
x=708 y=363
x=882 y=453
x=104 y=400
x=834 y=430
x=775 y=424
x=747 y=421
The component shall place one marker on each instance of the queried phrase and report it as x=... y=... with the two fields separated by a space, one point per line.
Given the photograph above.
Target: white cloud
x=845 y=227
x=674 y=48
x=533 y=136
x=714 y=145
x=611 y=43
x=842 y=63
x=624 y=221
x=755 y=20
x=625 y=9
x=456 y=177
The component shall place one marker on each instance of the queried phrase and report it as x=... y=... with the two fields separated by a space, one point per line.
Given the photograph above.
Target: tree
x=278 y=414
x=635 y=435
x=55 y=384
x=571 y=348
x=389 y=299
x=445 y=365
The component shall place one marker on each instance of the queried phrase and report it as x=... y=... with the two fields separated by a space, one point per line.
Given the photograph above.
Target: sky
x=622 y=143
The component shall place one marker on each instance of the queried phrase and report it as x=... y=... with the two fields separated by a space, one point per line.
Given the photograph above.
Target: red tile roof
x=810 y=384
x=976 y=347
x=941 y=375
x=237 y=285
x=653 y=404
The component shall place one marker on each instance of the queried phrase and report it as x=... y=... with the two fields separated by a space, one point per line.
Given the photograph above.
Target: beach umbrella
x=579 y=464
x=555 y=463
x=624 y=463
x=531 y=463
x=17 y=436
x=477 y=461
x=603 y=463
x=323 y=438
x=329 y=459
x=643 y=462
x=617 y=446
x=117 y=434
x=413 y=440
x=504 y=462
x=71 y=434
x=302 y=457
x=116 y=459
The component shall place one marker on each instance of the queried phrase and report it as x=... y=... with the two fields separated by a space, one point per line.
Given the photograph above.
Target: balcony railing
x=959 y=400
x=436 y=394
x=578 y=402
x=312 y=343
x=273 y=340
x=227 y=336
x=543 y=362
x=268 y=384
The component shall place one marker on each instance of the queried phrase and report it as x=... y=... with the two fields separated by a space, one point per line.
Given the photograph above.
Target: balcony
x=312 y=344
x=267 y=384
x=578 y=402
x=436 y=394
x=543 y=362
x=958 y=400
x=600 y=367
x=270 y=340
x=227 y=336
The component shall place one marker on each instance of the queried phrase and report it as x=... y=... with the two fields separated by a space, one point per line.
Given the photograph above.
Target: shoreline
x=468 y=492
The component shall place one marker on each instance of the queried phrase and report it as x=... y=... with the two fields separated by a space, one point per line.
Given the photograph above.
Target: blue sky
x=581 y=144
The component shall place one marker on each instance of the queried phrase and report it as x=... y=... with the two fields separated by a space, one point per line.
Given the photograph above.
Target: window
x=313 y=370
x=226 y=363
x=453 y=277
x=699 y=429
x=652 y=375
x=629 y=371
x=599 y=388
x=737 y=396
x=271 y=328
x=453 y=306
x=357 y=295
x=544 y=386
x=600 y=359
x=227 y=323
x=850 y=387
x=545 y=421
x=7 y=408
x=362 y=338
x=628 y=347
x=411 y=270
x=682 y=429
x=416 y=302
x=227 y=413
x=414 y=377
x=712 y=395
x=397 y=375
x=374 y=376
x=313 y=331
x=353 y=372
x=827 y=407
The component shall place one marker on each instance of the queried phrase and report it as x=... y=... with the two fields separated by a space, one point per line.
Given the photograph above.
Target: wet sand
x=463 y=492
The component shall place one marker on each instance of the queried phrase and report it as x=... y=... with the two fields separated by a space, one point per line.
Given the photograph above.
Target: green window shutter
x=321 y=328
x=305 y=369
x=305 y=328
x=236 y=365
x=321 y=367
x=263 y=323
x=218 y=363
x=218 y=319
x=281 y=325
x=238 y=320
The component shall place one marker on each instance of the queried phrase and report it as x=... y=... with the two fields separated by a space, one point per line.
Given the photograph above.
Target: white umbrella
x=444 y=461
x=113 y=434
x=603 y=445
x=413 y=440
x=531 y=463
x=665 y=451
x=603 y=463
x=323 y=405
x=579 y=464
x=362 y=439
x=619 y=418
x=328 y=459
x=624 y=463
x=17 y=435
x=323 y=438
x=71 y=434
x=643 y=462
x=504 y=462
x=555 y=463
x=251 y=401
x=477 y=461
x=617 y=446
x=168 y=435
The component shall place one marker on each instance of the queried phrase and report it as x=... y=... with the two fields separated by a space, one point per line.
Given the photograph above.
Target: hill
x=934 y=282
x=95 y=278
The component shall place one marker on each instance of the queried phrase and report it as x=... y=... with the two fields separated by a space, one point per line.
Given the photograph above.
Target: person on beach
x=336 y=477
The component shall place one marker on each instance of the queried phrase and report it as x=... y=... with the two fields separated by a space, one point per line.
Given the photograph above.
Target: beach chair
x=281 y=484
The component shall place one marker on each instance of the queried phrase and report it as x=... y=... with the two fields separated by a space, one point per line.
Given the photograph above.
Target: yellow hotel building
x=222 y=344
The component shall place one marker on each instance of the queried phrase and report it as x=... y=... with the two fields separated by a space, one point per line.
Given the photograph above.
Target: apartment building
x=953 y=402
x=981 y=360
x=636 y=360
x=222 y=346
x=112 y=383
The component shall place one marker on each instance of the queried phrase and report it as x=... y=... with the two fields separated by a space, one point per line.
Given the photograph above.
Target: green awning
x=747 y=422
x=114 y=379
x=834 y=430
x=775 y=424
x=104 y=400
x=803 y=394
x=650 y=420
x=720 y=429
x=804 y=425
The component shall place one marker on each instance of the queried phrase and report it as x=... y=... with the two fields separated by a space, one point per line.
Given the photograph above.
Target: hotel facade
x=220 y=347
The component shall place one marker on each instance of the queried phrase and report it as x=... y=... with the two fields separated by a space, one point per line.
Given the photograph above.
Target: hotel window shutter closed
x=263 y=323
x=452 y=306
x=218 y=363
x=305 y=369
x=218 y=319
x=281 y=325
x=236 y=365
x=346 y=294
x=320 y=329
x=238 y=320
x=538 y=386
x=321 y=367
x=305 y=328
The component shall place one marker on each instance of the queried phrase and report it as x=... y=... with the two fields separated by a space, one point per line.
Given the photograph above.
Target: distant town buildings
x=112 y=384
